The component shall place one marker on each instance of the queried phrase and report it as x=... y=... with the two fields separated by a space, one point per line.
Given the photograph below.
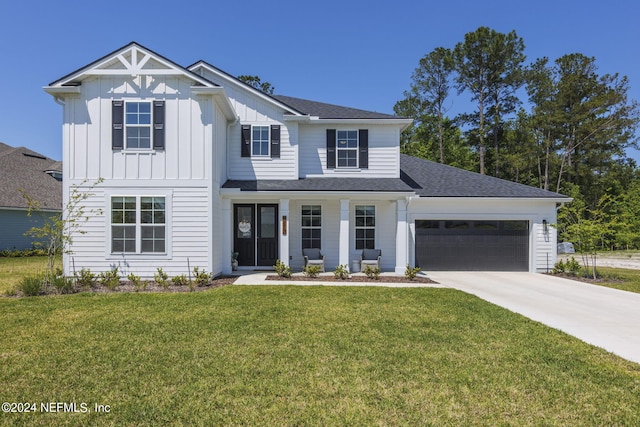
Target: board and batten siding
x=188 y=131
x=188 y=222
x=542 y=246
x=384 y=152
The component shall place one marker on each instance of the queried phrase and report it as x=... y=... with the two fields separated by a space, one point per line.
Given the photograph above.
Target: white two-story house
x=196 y=165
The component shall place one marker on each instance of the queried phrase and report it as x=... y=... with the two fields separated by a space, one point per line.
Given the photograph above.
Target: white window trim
x=168 y=215
x=126 y=149
x=357 y=150
x=262 y=156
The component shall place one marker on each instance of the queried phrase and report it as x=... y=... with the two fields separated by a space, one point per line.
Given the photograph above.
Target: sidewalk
x=260 y=278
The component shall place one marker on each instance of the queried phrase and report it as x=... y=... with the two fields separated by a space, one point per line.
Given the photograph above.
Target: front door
x=256 y=234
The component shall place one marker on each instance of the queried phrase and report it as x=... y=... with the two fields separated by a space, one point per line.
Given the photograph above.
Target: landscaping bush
x=372 y=272
x=341 y=272
x=63 y=285
x=161 y=278
x=282 y=269
x=85 y=278
x=110 y=279
x=180 y=280
x=411 y=273
x=31 y=285
x=311 y=271
x=202 y=278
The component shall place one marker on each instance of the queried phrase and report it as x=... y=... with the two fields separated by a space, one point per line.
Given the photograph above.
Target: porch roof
x=395 y=185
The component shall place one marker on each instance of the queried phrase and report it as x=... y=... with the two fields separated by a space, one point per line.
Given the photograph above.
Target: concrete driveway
x=607 y=318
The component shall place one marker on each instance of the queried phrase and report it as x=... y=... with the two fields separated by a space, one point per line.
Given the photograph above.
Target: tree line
x=557 y=124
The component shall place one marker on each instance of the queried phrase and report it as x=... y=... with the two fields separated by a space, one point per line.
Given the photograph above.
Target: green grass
x=271 y=355
x=13 y=269
x=623 y=278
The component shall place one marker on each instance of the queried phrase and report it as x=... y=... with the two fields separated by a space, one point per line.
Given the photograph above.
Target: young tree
x=489 y=66
x=57 y=232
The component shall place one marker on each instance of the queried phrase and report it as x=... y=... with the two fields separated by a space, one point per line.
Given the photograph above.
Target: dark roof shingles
x=323 y=184
x=22 y=169
x=330 y=111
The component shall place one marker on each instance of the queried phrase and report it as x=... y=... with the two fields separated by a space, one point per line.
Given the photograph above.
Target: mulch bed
x=361 y=279
x=585 y=279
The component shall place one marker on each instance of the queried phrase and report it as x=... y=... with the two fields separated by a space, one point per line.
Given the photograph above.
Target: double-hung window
x=365 y=227
x=138 y=125
x=138 y=224
x=260 y=141
x=347 y=148
x=311 y=226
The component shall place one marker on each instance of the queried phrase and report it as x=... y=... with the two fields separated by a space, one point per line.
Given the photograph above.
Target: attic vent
x=35 y=156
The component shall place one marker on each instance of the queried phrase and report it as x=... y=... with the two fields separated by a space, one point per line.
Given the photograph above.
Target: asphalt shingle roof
x=425 y=178
x=24 y=169
x=330 y=111
x=433 y=179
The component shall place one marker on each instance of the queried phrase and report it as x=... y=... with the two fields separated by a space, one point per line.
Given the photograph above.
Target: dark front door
x=267 y=235
x=256 y=234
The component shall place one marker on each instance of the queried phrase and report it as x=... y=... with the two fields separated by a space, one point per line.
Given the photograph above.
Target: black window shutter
x=331 y=148
x=246 y=141
x=363 y=136
x=117 y=120
x=275 y=140
x=158 y=125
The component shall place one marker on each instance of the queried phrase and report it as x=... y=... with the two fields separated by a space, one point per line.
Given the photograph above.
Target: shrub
x=559 y=267
x=161 y=278
x=85 y=278
x=573 y=267
x=411 y=273
x=202 y=278
x=341 y=272
x=283 y=270
x=63 y=285
x=311 y=271
x=372 y=272
x=31 y=285
x=110 y=279
x=180 y=280
x=137 y=283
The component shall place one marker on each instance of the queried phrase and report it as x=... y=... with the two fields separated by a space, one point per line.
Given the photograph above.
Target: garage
x=472 y=245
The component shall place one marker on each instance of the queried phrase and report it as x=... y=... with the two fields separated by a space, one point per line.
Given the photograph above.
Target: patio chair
x=370 y=257
x=313 y=256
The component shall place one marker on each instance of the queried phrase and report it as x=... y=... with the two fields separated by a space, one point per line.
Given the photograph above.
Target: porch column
x=343 y=252
x=401 y=236
x=285 y=230
x=227 y=230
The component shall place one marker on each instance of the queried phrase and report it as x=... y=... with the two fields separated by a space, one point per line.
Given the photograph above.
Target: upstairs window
x=138 y=125
x=347 y=148
x=260 y=141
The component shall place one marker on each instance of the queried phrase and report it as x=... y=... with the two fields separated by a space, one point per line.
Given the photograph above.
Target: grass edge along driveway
x=287 y=355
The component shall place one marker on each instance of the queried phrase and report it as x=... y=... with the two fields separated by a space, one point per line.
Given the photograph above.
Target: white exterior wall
x=385 y=231
x=542 y=246
x=190 y=169
x=384 y=152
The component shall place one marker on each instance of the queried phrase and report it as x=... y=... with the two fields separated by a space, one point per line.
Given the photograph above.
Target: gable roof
x=330 y=111
x=431 y=179
x=24 y=169
x=130 y=59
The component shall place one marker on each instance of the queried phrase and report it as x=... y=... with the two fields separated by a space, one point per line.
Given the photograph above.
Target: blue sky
x=355 y=53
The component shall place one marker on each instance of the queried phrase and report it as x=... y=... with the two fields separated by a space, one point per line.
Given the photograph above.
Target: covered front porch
x=261 y=227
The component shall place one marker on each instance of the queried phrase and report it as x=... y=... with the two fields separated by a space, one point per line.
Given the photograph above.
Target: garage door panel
x=472 y=245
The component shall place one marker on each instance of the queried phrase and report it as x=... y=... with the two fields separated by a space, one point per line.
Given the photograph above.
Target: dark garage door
x=472 y=245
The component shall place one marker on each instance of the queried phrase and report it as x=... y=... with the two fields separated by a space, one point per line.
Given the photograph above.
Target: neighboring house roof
x=330 y=111
x=323 y=184
x=433 y=179
x=425 y=178
x=25 y=170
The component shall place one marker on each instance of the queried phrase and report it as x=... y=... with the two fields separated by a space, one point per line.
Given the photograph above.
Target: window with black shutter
x=117 y=118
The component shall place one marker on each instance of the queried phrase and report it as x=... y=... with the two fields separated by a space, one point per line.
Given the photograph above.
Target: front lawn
x=620 y=278
x=13 y=269
x=286 y=355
